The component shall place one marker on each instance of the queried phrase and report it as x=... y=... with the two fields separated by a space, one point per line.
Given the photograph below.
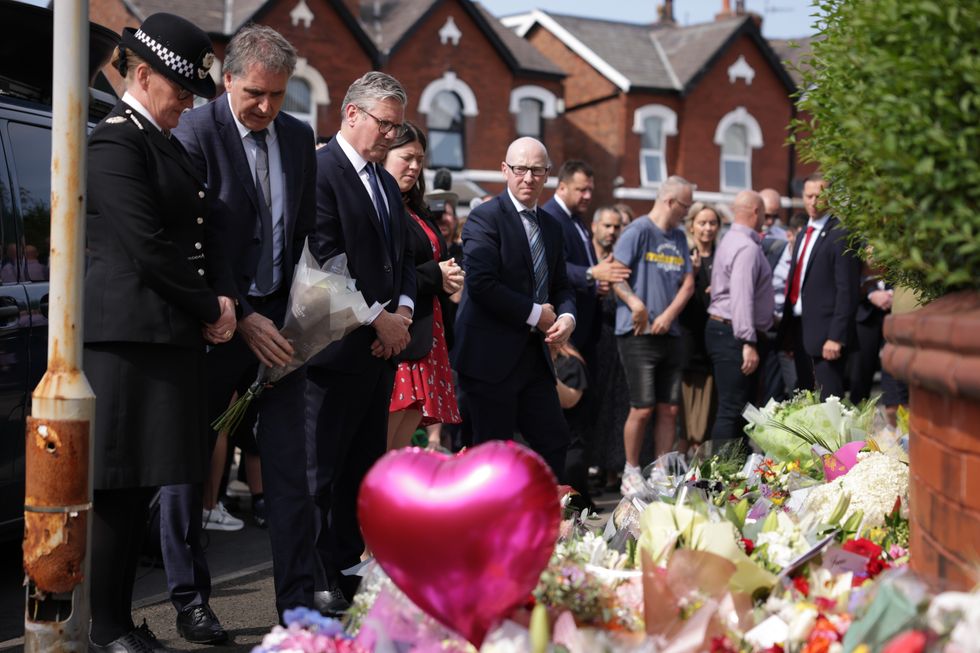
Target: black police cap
x=177 y=49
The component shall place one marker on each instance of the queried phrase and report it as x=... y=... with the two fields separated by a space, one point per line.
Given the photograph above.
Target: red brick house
x=472 y=83
x=710 y=102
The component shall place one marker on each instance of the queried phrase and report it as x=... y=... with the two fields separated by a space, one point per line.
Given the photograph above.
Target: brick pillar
x=936 y=350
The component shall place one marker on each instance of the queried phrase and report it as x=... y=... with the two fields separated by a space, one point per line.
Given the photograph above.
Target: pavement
x=242 y=593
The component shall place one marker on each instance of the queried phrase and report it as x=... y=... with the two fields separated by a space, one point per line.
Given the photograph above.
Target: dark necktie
x=538 y=263
x=263 y=188
x=379 y=201
x=795 y=282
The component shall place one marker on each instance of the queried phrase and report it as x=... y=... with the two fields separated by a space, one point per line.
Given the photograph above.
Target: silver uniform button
x=197 y=245
x=200 y=271
x=200 y=194
x=200 y=221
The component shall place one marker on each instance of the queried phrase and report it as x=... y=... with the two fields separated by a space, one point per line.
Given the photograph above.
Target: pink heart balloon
x=464 y=537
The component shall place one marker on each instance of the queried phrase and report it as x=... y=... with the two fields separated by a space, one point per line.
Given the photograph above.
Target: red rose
x=775 y=648
x=824 y=604
x=801 y=585
x=911 y=641
x=863 y=547
x=876 y=566
x=748 y=545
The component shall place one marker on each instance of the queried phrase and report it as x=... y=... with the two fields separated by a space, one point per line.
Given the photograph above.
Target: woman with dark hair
x=423 y=392
x=698 y=397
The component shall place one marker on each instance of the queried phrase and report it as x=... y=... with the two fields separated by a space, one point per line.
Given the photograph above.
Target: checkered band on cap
x=170 y=58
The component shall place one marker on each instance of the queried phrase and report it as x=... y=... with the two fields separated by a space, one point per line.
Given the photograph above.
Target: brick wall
x=766 y=99
x=114 y=15
x=329 y=47
x=936 y=349
x=423 y=58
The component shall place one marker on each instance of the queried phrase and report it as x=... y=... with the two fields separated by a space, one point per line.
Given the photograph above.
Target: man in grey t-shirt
x=661 y=282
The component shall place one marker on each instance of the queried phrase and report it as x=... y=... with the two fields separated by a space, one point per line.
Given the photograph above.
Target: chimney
x=665 y=13
x=726 y=10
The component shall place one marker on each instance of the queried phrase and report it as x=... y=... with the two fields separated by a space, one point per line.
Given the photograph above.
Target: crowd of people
x=580 y=336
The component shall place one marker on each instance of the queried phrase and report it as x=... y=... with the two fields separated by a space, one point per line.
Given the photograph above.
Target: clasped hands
x=452 y=276
x=222 y=329
x=392 y=330
x=556 y=329
x=661 y=324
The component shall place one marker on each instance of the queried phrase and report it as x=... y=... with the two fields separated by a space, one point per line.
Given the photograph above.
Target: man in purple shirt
x=740 y=313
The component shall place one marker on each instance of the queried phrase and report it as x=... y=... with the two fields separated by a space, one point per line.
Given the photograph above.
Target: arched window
x=445 y=126
x=299 y=101
x=654 y=123
x=736 y=159
x=530 y=121
x=738 y=133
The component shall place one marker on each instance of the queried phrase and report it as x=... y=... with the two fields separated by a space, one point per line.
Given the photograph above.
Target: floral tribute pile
x=798 y=547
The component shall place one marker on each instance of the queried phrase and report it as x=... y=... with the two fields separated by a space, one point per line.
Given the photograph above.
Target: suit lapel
x=357 y=186
x=817 y=245
x=288 y=158
x=232 y=141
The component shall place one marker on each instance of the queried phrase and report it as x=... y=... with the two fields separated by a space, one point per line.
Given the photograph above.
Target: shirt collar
x=750 y=232
x=517 y=205
x=244 y=131
x=561 y=203
x=140 y=109
x=819 y=223
x=358 y=161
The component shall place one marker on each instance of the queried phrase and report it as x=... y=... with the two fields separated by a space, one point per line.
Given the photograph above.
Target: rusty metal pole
x=58 y=494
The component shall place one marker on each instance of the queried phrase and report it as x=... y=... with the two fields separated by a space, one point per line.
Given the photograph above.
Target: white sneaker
x=219 y=519
x=633 y=484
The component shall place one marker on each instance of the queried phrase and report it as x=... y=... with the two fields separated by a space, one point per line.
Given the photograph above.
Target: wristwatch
x=588 y=275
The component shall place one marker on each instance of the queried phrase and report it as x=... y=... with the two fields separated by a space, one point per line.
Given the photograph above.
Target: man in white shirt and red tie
x=822 y=296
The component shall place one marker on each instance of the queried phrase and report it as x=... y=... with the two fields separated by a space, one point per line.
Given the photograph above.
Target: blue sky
x=781 y=18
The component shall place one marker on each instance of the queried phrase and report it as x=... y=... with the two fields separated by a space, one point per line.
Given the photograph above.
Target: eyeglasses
x=384 y=126
x=772 y=216
x=536 y=171
x=687 y=207
x=182 y=93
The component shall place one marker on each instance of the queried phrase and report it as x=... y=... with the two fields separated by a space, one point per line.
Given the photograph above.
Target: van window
x=8 y=232
x=31 y=147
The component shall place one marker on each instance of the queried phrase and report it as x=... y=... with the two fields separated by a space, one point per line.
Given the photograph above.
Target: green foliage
x=892 y=90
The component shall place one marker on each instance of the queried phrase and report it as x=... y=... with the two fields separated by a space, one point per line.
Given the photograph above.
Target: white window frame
x=668 y=127
x=319 y=92
x=449 y=82
x=550 y=105
x=738 y=116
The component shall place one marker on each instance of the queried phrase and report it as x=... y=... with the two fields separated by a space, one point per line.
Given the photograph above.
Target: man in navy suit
x=261 y=172
x=590 y=280
x=516 y=301
x=822 y=296
x=359 y=212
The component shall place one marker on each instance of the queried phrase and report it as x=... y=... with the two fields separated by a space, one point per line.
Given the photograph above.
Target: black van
x=25 y=222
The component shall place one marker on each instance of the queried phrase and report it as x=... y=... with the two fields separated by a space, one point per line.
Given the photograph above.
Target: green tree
x=892 y=89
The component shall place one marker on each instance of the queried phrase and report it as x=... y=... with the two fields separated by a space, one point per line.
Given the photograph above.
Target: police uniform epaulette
x=114 y=120
x=132 y=116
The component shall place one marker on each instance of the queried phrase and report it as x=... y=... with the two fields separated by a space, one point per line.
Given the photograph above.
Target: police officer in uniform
x=152 y=301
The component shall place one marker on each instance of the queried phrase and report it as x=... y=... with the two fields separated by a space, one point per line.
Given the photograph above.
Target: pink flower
x=911 y=641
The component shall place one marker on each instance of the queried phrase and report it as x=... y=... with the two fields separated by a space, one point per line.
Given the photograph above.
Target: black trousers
x=282 y=451
x=346 y=433
x=867 y=359
x=525 y=402
x=734 y=388
x=118 y=524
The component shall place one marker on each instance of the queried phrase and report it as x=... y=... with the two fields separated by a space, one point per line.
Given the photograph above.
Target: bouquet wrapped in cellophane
x=324 y=306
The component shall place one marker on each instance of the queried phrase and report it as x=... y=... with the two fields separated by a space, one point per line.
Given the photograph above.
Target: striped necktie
x=538 y=262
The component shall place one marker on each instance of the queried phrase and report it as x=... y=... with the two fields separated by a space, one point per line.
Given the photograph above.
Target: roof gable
x=651 y=57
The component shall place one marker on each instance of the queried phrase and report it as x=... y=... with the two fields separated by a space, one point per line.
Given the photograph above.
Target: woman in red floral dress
x=423 y=393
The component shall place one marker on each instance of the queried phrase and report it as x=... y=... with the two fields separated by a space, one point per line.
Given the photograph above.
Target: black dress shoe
x=331 y=603
x=143 y=632
x=198 y=625
x=138 y=640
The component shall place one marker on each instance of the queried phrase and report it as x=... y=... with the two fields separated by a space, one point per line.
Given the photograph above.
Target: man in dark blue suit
x=822 y=297
x=590 y=280
x=261 y=172
x=516 y=301
x=359 y=212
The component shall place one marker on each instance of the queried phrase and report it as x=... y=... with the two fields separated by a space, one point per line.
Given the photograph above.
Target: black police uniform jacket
x=148 y=291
